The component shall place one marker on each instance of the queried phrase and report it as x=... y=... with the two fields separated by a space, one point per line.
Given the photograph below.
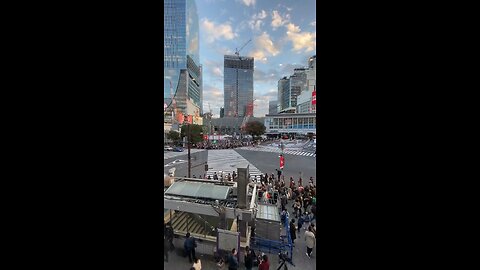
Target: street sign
x=314 y=96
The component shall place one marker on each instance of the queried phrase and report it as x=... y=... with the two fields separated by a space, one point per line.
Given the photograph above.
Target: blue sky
x=283 y=37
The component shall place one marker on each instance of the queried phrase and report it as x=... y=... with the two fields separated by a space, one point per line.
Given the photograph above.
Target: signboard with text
x=314 y=97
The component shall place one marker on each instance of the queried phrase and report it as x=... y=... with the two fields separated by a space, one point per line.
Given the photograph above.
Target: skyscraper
x=304 y=100
x=238 y=85
x=290 y=88
x=182 y=70
x=272 y=107
x=283 y=94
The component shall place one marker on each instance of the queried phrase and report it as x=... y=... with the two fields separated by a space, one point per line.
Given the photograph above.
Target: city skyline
x=283 y=35
x=182 y=68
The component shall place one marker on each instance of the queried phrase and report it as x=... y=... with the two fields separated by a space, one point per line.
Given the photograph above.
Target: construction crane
x=237 y=51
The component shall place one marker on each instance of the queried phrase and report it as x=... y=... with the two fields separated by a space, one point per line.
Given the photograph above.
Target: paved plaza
x=295 y=152
x=260 y=162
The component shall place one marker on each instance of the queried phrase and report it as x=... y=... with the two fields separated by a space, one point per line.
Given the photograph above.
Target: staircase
x=181 y=220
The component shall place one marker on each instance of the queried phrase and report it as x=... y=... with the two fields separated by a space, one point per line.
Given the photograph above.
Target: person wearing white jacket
x=310 y=240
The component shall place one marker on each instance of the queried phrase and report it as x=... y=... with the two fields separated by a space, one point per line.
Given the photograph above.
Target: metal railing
x=274 y=247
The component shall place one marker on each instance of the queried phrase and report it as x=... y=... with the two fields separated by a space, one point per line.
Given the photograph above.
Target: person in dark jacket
x=166 y=248
x=248 y=258
x=293 y=233
x=232 y=260
x=301 y=220
x=189 y=246
x=314 y=212
x=169 y=234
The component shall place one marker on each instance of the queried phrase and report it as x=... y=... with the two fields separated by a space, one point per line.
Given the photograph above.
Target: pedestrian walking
x=166 y=247
x=265 y=264
x=189 y=246
x=248 y=258
x=215 y=176
x=301 y=220
x=283 y=202
x=293 y=233
x=169 y=236
x=310 y=241
x=298 y=207
x=306 y=202
x=232 y=260
x=283 y=216
x=313 y=209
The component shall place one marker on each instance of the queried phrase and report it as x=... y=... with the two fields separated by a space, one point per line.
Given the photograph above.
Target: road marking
x=175 y=162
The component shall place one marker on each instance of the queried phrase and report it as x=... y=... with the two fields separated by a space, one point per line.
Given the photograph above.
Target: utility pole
x=188 y=146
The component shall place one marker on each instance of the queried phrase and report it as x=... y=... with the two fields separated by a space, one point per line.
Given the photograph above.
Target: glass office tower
x=238 y=85
x=182 y=70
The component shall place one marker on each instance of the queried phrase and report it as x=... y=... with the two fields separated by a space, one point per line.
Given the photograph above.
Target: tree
x=173 y=135
x=196 y=133
x=255 y=128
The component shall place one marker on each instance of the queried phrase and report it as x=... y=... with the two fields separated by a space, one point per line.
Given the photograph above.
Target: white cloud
x=217 y=31
x=213 y=96
x=249 y=2
x=255 y=25
x=262 y=15
x=259 y=55
x=301 y=41
x=261 y=105
x=277 y=20
x=217 y=71
x=314 y=23
x=266 y=43
x=257 y=20
x=264 y=47
x=292 y=28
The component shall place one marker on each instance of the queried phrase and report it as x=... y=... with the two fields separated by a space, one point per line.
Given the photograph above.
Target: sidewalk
x=178 y=262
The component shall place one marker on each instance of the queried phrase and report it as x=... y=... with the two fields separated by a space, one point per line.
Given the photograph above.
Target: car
x=178 y=149
x=167 y=148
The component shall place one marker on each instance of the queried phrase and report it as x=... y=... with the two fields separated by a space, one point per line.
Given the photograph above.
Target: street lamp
x=188 y=145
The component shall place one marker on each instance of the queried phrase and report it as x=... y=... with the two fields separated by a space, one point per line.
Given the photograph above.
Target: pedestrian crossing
x=276 y=150
x=227 y=161
x=167 y=155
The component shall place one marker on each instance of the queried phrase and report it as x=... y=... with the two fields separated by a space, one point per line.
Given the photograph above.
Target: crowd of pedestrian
x=303 y=198
x=272 y=189
x=224 y=144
